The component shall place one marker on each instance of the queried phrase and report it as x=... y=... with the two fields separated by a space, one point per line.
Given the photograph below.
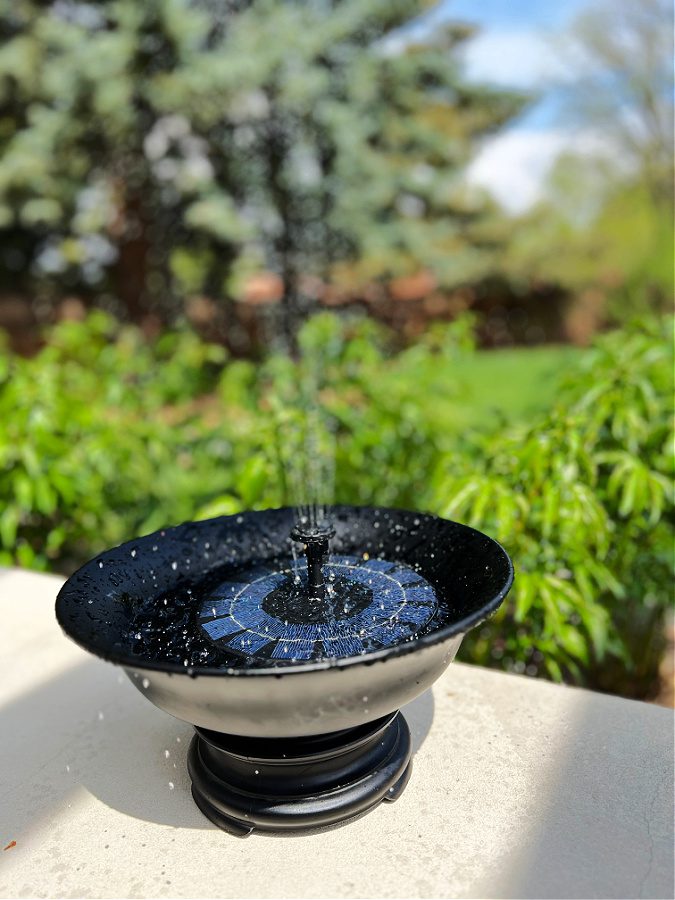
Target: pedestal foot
x=300 y=784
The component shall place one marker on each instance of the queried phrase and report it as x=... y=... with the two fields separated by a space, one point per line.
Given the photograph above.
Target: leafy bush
x=90 y=448
x=106 y=436
x=583 y=500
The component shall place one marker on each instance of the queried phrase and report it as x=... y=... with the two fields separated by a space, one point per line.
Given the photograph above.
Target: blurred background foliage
x=237 y=164
x=241 y=255
x=155 y=149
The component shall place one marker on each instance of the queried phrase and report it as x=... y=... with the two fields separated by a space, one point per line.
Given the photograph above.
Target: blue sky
x=509 y=14
x=516 y=47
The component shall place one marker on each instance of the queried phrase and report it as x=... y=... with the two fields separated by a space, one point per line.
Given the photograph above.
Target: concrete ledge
x=519 y=789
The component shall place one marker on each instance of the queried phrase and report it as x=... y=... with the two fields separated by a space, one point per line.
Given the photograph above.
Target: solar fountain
x=290 y=642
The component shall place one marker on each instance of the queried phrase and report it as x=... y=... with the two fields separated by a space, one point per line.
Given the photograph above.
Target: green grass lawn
x=509 y=385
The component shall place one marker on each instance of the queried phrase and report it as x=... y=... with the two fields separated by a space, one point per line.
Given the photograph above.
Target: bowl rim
x=437 y=636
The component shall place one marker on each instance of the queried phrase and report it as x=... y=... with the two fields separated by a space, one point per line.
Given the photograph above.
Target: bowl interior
x=101 y=605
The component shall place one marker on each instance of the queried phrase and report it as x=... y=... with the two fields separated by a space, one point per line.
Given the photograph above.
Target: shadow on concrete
x=86 y=727
x=419 y=714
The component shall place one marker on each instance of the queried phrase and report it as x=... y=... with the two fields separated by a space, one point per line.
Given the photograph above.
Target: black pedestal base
x=300 y=784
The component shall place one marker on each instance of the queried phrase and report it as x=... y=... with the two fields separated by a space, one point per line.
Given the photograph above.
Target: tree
x=604 y=228
x=157 y=148
x=621 y=52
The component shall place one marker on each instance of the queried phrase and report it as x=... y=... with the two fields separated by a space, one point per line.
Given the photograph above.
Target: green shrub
x=106 y=436
x=582 y=499
x=88 y=450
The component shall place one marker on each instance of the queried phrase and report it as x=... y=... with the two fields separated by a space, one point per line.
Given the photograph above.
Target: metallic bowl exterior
x=292 y=704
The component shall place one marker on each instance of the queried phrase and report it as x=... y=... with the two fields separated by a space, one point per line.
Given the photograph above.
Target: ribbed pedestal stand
x=298 y=784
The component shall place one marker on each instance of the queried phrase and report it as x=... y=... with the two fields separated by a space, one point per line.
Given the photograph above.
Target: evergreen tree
x=149 y=149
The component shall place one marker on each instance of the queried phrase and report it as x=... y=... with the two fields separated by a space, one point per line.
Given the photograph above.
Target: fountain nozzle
x=316 y=539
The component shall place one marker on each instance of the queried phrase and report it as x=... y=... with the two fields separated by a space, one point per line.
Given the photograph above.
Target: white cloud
x=518 y=59
x=513 y=166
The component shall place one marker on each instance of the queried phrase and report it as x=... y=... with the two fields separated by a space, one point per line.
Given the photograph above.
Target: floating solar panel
x=368 y=604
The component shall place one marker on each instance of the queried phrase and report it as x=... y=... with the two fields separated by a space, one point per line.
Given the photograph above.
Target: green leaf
x=525 y=592
x=225 y=505
x=574 y=643
x=9 y=524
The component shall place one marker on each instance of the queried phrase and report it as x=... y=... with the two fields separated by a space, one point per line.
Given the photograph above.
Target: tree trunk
x=130 y=271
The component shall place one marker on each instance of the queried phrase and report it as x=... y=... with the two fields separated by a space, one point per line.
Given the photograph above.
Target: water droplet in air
x=146 y=683
x=171 y=785
x=174 y=565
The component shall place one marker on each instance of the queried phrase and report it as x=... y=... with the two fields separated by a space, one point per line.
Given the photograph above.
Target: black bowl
x=469 y=572
x=269 y=702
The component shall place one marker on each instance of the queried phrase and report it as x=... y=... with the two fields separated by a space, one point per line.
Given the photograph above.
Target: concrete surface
x=519 y=789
